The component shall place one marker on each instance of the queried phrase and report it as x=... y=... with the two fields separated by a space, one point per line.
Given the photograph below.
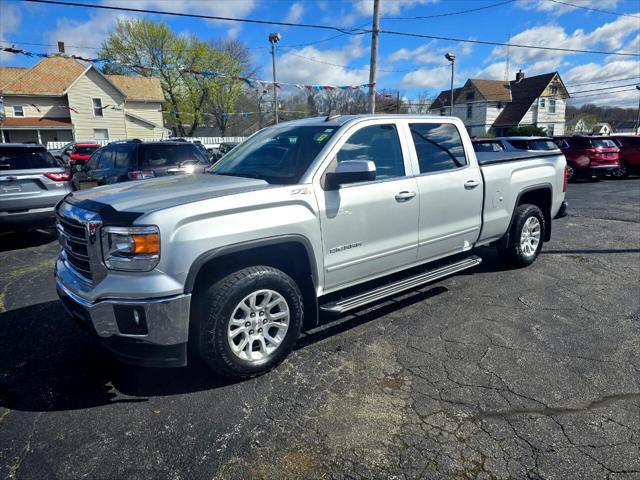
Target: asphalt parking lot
x=531 y=373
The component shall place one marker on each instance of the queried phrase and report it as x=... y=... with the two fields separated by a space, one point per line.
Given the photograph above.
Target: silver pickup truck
x=317 y=215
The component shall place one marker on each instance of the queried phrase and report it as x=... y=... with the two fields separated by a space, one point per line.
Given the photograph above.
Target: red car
x=629 y=154
x=589 y=157
x=80 y=153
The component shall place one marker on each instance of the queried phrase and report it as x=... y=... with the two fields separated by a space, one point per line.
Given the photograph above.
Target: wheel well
x=290 y=256
x=541 y=197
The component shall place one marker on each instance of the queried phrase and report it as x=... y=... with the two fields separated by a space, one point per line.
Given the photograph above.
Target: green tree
x=147 y=48
x=527 y=131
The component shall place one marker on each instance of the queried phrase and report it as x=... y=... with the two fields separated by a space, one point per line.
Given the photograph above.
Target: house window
x=97 y=107
x=552 y=105
x=470 y=96
x=499 y=105
x=18 y=111
x=469 y=111
x=542 y=103
x=443 y=112
x=101 y=134
x=554 y=90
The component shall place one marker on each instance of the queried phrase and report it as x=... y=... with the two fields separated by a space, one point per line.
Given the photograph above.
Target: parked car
x=223 y=149
x=629 y=154
x=513 y=144
x=589 y=157
x=305 y=216
x=75 y=153
x=136 y=160
x=32 y=182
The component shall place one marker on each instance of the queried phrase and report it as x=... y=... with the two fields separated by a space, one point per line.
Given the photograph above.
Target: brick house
x=59 y=99
x=495 y=106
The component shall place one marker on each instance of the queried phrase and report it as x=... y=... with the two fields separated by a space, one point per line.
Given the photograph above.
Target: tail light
x=141 y=175
x=566 y=178
x=58 y=177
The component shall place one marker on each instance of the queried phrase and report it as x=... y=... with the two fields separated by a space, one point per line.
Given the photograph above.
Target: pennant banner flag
x=250 y=82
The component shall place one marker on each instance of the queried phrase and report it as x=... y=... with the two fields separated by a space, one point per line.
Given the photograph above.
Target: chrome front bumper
x=165 y=321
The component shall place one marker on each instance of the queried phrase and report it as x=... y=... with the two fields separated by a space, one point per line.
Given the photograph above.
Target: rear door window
x=158 y=156
x=438 y=147
x=26 y=158
x=106 y=159
x=124 y=157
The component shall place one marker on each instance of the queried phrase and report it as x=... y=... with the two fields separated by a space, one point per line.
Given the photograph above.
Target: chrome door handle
x=469 y=184
x=405 y=195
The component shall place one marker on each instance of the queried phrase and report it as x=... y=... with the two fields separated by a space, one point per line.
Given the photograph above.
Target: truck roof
x=339 y=120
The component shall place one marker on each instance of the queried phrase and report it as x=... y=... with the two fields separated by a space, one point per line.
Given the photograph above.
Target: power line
x=352 y=31
x=604 y=93
x=486 y=42
x=603 y=81
x=346 y=66
x=591 y=9
x=604 y=88
x=449 y=14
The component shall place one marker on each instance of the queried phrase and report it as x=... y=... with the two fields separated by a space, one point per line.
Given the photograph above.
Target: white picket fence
x=208 y=142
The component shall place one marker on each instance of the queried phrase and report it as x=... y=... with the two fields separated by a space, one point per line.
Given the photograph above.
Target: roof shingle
x=50 y=76
x=139 y=88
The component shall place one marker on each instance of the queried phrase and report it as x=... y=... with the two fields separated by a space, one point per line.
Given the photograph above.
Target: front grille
x=73 y=239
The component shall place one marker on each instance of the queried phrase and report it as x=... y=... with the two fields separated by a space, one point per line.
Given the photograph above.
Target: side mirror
x=350 y=171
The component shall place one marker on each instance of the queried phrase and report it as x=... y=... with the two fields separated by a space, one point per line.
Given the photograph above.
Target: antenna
x=506 y=68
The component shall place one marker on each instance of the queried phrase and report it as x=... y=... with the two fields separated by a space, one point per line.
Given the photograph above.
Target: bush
x=527 y=131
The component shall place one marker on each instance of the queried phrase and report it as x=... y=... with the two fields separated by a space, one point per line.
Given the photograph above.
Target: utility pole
x=452 y=58
x=374 y=56
x=638 y=121
x=398 y=101
x=273 y=39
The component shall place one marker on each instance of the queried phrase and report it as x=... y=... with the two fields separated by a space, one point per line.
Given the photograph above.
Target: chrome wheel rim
x=530 y=236
x=258 y=325
x=570 y=172
x=620 y=171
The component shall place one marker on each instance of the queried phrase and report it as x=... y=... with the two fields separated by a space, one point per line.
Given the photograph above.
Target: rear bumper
x=151 y=332
x=27 y=219
x=602 y=169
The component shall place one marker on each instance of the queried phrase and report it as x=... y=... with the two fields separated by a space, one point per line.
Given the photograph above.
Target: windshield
x=278 y=155
x=23 y=158
x=167 y=155
x=84 y=150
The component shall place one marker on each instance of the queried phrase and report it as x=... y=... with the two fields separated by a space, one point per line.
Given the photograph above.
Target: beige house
x=59 y=99
x=496 y=106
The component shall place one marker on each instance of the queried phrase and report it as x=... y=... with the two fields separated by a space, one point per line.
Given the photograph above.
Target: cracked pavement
x=494 y=373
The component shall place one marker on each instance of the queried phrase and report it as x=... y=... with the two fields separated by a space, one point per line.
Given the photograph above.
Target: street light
x=273 y=39
x=452 y=58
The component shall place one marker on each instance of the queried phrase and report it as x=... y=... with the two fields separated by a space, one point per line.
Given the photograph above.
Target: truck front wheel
x=250 y=320
x=525 y=239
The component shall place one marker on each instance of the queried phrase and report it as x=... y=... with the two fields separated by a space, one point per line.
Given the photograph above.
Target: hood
x=145 y=196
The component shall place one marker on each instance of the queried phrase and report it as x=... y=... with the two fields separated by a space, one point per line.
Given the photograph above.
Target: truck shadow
x=49 y=363
x=19 y=240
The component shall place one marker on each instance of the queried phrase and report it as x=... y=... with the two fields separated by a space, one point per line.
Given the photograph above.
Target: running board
x=345 y=304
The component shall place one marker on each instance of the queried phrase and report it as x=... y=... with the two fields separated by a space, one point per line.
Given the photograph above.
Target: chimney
x=60 y=47
x=519 y=76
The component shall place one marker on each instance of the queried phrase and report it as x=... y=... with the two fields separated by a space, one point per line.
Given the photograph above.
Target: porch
x=39 y=130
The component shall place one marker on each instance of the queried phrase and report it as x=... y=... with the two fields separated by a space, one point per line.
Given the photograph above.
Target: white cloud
x=9 y=22
x=294 y=69
x=392 y=7
x=423 y=54
x=612 y=35
x=296 y=11
x=561 y=8
x=428 y=78
x=97 y=26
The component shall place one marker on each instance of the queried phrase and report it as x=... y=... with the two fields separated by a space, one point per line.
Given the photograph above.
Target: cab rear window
x=26 y=158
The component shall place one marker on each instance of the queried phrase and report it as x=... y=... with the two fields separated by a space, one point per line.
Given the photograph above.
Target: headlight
x=131 y=248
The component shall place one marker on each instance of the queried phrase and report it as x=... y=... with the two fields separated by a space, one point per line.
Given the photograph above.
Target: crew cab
x=315 y=215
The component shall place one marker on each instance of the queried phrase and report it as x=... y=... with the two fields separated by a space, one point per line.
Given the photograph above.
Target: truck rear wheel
x=250 y=320
x=526 y=236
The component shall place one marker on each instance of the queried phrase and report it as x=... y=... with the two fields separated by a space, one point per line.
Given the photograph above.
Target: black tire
x=622 y=172
x=217 y=305
x=513 y=255
x=572 y=173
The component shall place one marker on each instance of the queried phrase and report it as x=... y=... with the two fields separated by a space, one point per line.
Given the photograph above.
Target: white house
x=59 y=99
x=496 y=106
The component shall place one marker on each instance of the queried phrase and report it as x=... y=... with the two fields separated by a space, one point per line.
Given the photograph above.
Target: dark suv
x=136 y=160
x=589 y=157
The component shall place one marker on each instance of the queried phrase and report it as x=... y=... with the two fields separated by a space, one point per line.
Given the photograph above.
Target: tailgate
x=28 y=189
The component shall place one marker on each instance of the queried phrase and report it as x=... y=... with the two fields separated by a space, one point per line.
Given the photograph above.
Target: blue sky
x=411 y=65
